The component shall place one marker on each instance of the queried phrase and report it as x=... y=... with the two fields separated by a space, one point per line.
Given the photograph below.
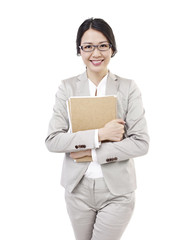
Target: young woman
x=99 y=194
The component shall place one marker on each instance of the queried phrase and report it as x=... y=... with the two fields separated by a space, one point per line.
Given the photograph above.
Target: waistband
x=94 y=183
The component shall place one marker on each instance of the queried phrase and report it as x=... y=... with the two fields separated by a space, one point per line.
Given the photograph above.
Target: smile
x=96 y=62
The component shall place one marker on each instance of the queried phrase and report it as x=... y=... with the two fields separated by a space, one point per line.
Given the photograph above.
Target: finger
x=75 y=154
x=119 y=120
x=79 y=154
x=71 y=155
x=122 y=131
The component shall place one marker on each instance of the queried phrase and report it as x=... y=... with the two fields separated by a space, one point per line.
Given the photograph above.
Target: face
x=96 y=61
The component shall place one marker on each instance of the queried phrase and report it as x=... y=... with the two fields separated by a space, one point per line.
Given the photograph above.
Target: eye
x=88 y=47
x=104 y=46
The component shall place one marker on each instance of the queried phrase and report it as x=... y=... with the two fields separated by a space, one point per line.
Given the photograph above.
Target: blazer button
x=82 y=146
x=111 y=159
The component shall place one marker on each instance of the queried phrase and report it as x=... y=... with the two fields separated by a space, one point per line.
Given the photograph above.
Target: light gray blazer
x=116 y=158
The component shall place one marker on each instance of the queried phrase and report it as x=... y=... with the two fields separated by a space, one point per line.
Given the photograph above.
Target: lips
x=96 y=62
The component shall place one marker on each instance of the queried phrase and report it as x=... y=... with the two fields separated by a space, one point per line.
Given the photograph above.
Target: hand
x=112 y=131
x=80 y=154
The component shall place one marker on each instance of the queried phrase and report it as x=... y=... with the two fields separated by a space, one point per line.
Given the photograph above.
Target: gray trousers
x=95 y=213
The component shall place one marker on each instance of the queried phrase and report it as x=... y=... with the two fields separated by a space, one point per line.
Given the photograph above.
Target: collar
x=83 y=84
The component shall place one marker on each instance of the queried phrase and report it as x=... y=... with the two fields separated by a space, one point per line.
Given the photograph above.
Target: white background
x=37 y=51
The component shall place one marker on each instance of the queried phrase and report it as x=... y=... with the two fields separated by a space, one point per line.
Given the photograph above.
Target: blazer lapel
x=112 y=84
x=112 y=88
x=83 y=85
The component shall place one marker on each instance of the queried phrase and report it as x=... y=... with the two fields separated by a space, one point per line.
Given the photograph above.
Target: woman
x=99 y=194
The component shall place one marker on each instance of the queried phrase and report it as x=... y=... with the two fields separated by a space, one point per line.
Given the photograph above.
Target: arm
x=136 y=142
x=59 y=139
x=112 y=131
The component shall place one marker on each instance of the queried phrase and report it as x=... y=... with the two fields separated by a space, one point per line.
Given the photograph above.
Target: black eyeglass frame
x=96 y=46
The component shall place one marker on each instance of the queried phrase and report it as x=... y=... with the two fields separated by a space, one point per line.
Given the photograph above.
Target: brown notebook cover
x=88 y=113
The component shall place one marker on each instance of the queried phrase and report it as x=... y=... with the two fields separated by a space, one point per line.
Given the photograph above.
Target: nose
x=96 y=52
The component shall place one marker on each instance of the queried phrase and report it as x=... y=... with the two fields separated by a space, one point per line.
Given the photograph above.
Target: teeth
x=96 y=61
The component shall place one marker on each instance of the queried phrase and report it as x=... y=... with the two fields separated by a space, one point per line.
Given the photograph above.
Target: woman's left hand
x=80 y=154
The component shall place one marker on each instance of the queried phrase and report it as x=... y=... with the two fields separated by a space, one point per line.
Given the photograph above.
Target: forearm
x=123 y=150
x=135 y=143
x=70 y=142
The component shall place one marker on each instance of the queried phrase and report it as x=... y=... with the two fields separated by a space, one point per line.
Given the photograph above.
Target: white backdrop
x=37 y=51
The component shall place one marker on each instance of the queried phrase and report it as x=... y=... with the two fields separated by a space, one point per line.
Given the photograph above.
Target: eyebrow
x=92 y=43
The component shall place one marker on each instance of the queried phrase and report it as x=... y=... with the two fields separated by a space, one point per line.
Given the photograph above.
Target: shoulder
x=69 y=85
x=126 y=86
x=69 y=81
x=65 y=87
x=125 y=82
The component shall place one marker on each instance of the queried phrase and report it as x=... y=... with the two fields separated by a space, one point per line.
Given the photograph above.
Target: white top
x=94 y=170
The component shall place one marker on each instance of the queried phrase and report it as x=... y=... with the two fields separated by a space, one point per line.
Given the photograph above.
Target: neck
x=96 y=77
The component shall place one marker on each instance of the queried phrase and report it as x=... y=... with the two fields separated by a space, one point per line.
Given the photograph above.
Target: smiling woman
x=99 y=194
x=96 y=44
x=96 y=60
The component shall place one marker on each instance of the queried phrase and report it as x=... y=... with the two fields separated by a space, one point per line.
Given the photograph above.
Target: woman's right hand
x=112 y=131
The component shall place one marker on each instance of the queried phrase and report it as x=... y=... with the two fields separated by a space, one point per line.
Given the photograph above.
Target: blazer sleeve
x=136 y=141
x=59 y=139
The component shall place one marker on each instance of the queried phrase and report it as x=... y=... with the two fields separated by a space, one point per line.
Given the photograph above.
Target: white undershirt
x=94 y=170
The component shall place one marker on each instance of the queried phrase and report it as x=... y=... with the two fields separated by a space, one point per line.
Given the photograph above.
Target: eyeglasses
x=90 y=47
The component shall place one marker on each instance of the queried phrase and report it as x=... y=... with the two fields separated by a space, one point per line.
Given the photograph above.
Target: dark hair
x=99 y=25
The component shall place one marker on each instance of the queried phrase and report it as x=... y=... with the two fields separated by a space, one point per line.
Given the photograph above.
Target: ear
x=79 y=53
x=112 y=53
